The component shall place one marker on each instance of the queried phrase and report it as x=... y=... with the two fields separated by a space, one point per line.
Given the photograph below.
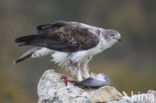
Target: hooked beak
x=118 y=39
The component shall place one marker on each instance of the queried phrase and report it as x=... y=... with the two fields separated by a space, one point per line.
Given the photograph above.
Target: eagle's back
x=62 y=36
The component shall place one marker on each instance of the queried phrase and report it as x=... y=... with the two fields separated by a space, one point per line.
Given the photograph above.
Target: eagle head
x=111 y=36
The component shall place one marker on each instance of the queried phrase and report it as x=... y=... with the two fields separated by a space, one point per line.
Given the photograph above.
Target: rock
x=105 y=94
x=51 y=89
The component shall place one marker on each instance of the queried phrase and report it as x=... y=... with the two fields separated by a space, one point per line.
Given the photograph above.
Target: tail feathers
x=34 y=53
x=26 y=55
x=23 y=57
x=25 y=40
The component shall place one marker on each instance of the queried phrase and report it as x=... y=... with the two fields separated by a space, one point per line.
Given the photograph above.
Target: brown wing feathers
x=61 y=36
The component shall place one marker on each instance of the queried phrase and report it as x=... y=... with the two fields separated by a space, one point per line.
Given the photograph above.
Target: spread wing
x=61 y=36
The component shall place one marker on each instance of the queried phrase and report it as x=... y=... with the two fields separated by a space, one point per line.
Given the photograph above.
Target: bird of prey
x=71 y=44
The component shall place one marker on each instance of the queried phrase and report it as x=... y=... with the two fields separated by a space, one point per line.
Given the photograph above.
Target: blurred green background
x=131 y=64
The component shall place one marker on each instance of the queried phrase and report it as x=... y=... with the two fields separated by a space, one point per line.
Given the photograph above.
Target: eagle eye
x=112 y=34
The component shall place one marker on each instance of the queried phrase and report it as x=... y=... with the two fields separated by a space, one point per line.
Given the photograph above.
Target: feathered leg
x=85 y=68
x=79 y=75
x=86 y=71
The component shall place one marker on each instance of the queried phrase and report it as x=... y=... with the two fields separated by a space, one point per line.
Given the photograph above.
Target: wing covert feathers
x=62 y=36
